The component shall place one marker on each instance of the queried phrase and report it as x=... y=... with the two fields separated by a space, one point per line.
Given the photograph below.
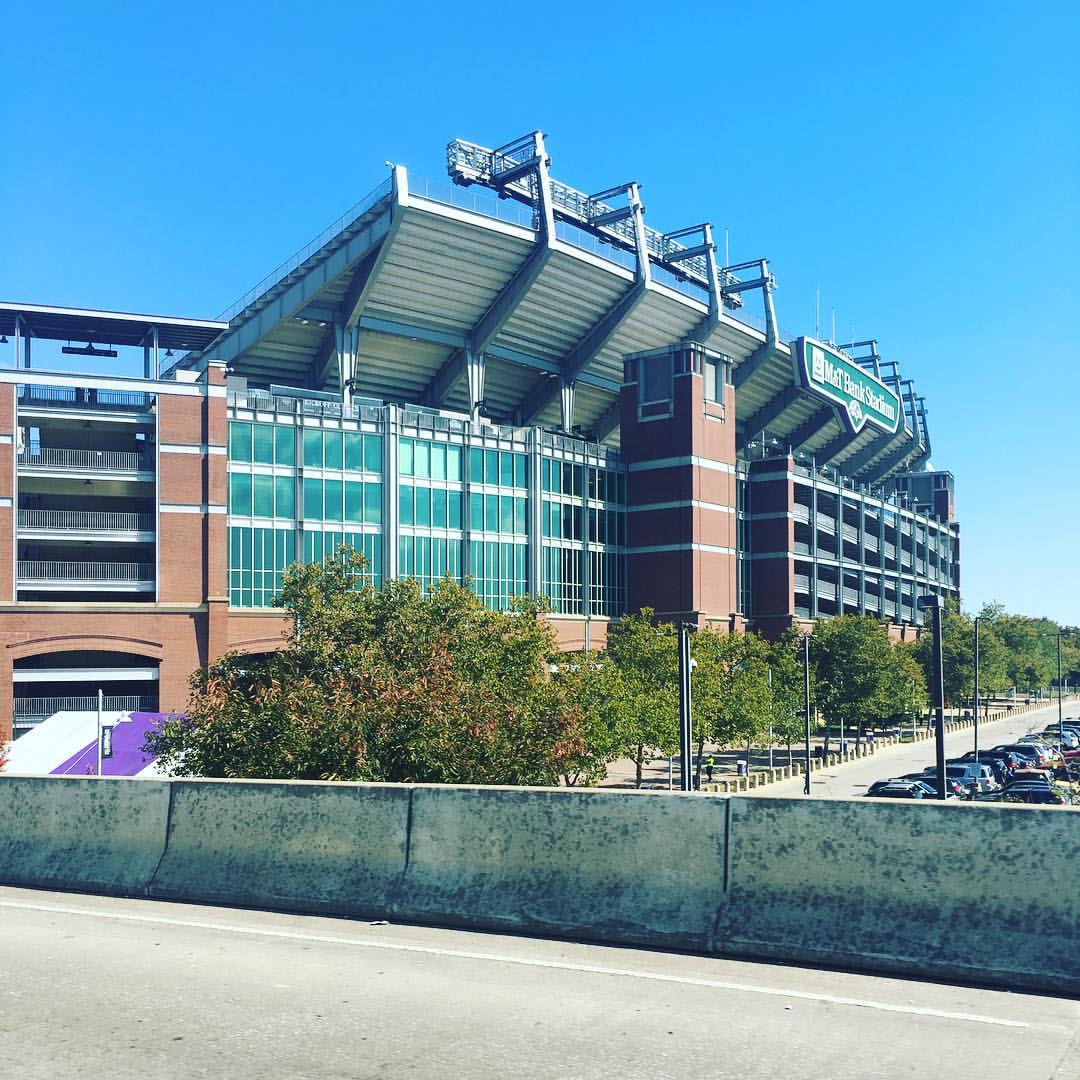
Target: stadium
x=496 y=377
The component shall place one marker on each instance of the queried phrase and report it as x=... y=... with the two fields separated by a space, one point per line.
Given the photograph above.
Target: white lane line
x=498 y=958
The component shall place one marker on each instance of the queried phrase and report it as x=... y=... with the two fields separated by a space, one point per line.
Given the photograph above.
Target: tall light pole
x=976 y=713
x=686 y=732
x=934 y=604
x=806 y=698
x=1061 y=729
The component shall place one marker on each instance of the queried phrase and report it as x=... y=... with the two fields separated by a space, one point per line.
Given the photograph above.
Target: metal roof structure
x=106 y=327
x=508 y=294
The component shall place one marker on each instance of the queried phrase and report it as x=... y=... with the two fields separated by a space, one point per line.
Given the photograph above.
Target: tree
x=851 y=656
x=788 y=689
x=383 y=684
x=904 y=693
x=731 y=698
x=589 y=683
x=645 y=705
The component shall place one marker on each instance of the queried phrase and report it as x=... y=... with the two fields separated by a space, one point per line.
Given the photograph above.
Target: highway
x=123 y=988
x=854 y=777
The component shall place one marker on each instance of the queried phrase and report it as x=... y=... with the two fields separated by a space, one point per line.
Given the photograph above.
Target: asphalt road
x=854 y=777
x=103 y=987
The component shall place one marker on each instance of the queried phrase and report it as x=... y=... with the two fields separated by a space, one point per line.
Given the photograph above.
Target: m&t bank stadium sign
x=862 y=398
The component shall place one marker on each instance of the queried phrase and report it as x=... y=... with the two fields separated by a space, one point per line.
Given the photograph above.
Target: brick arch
x=274 y=643
x=62 y=643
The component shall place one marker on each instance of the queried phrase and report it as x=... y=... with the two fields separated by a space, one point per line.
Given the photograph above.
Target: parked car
x=953 y=790
x=1030 y=754
x=968 y=771
x=1067 y=738
x=1027 y=791
x=897 y=789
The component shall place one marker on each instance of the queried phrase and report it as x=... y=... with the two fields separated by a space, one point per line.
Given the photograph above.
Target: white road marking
x=497 y=958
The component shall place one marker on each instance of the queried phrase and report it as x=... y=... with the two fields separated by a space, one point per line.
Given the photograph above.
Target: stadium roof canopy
x=106 y=327
x=402 y=296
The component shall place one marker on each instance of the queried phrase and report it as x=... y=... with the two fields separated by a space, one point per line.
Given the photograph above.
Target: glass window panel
x=476 y=465
x=312 y=499
x=655 y=379
x=545 y=474
x=520 y=461
x=405 y=504
x=438 y=461
x=491 y=513
x=405 y=457
x=354 y=500
x=453 y=509
x=373 y=453
x=423 y=506
x=239 y=441
x=373 y=504
x=438 y=508
x=263 y=448
x=313 y=447
x=506 y=469
x=421 y=459
x=453 y=463
x=519 y=515
x=263 y=496
x=284 y=445
x=240 y=494
x=506 y=514
x=354 y=451
x=491 y=466
x=476 y=510
x=332 y=500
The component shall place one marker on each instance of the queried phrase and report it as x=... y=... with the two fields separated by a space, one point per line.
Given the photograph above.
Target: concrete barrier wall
x=72 y=833
x=648 y=867
x=302 y=846
x=954 y=892
x=978 y=891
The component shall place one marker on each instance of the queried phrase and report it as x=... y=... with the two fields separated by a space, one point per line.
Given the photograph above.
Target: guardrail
x=86 y=573
x=104 y=460
x=85 y=397
x=33 y=710
x=86 y=520
x=279 y=273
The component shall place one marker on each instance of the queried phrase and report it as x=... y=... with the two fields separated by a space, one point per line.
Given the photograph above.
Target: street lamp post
x=975 y=714
x=1061 y=729
x=933 y=603
x=806 y=699
x=686 y=733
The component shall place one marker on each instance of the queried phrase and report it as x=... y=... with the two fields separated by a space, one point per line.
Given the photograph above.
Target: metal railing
x=297 y=259
x=479 y=164
x=85 y=397
x=86 y=520
x=104 y=460
x=54 y=570
x=41 y=708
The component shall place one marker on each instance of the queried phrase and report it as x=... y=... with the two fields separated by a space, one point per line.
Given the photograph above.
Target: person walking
x=709 y=764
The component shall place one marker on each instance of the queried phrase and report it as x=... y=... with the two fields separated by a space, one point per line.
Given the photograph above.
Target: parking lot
x=855 y=778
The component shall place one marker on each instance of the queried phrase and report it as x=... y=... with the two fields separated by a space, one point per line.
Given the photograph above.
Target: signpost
x=863 y=398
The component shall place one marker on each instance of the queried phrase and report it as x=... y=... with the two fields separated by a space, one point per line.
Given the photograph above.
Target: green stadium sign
x=863 y=399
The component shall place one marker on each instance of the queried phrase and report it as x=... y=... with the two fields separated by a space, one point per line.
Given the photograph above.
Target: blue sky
x=919 y=164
